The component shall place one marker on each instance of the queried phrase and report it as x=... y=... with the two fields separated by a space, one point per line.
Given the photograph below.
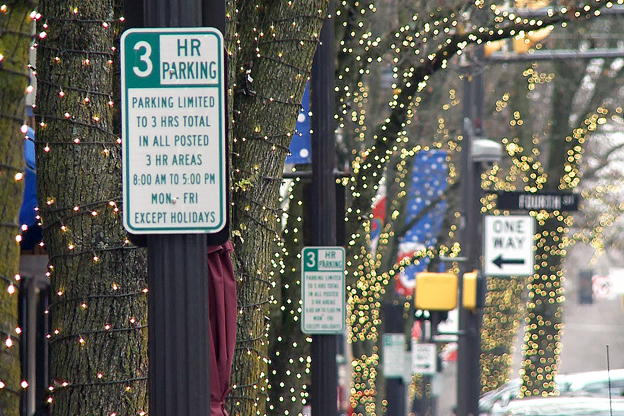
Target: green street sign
x=323 y=290
x=173 y=131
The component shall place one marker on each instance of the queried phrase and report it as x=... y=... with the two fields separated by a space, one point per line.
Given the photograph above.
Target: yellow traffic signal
x=470 y=290
x=526 y=41
x=435 y=291
x=523 y=42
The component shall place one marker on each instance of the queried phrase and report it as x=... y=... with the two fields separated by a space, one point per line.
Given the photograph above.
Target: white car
x=598 y=382
x=510 y=390
x=560 y=406
x=594 y=383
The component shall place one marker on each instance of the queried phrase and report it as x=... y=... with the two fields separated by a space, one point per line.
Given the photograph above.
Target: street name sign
x=508 y=245
x=537 y=201
x=173 y=131
x=323 y=290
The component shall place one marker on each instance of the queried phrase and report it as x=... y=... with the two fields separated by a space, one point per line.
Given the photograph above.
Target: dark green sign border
x=305 y=269
x=130 y=80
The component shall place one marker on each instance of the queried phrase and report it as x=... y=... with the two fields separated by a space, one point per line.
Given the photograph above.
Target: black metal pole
x=179 y=373
x=469 y=348
x=179 y=340
x=323 y=221
x=173 y=13
x=395 y=389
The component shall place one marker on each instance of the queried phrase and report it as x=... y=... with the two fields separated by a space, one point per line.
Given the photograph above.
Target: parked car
x=560 y=406
x=507 y=392
x=594 y=383
x=510 y=391
x=598 y=382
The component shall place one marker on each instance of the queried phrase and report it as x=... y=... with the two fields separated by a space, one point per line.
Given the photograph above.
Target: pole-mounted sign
x=323 y=290
x=508 y=245
x=174 y=140
x=537 y=201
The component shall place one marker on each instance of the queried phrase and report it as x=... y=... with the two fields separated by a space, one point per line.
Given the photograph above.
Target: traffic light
x=473 y=293
x=421 y=315
x=524 y=43
x=435 y=291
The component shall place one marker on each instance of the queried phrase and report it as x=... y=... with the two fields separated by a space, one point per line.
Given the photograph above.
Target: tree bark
x=98 y=310
x=289 y=376
x=271 y=51
x=15 y=34
x=542 y=344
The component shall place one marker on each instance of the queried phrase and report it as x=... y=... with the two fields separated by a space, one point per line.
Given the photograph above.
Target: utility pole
x=395 y=389
x=469 y=348
x=323 y=220
x=178 y=286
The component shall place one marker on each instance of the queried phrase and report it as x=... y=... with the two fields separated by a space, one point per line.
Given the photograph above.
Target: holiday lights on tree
x=368 y=281
x=419 y=49
x=16 y=22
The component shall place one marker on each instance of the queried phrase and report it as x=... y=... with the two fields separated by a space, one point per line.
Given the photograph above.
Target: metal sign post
x=323 y=195
x=175 y=184
x=469 y=345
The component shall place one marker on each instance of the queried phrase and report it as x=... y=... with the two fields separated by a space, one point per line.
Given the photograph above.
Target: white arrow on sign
x=508 y=245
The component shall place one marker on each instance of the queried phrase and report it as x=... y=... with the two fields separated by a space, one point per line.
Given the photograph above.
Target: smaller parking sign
x=424 y=358
x=323 y=290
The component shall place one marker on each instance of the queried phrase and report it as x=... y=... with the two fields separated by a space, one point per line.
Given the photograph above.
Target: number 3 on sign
x=311 y=259
x=145 y=57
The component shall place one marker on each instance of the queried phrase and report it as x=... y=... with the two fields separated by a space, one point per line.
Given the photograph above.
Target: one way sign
x=508 y=245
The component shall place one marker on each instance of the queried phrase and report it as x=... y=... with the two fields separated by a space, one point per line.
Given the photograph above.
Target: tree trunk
x=503 y=309
x=271 y=51
x=289 y=347
x=15 y=36
x=98 y=310
x=542 y=343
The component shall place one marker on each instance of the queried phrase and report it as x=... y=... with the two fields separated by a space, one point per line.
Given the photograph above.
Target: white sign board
x=323 y=290
x=616 y=281
x=508 y=245
x=393 y=355
x=424 y=358
x=173 y=131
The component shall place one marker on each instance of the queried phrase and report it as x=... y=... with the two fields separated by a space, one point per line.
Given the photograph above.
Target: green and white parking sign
x=323 y=290
x=174 y=133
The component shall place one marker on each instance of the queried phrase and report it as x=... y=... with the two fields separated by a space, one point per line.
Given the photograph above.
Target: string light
x=543 y=313
x=16 y=26
x=432 y=40
x=258 y=215
x=83 y=123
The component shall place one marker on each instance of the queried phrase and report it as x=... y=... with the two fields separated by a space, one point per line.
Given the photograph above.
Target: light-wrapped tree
x=98 y=310
x=16 y=25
